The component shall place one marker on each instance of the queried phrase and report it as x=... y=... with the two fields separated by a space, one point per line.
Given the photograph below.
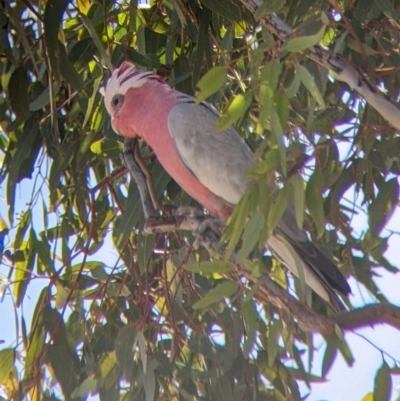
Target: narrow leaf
x=53 y=15
x=383 y=206
x=44 y=98
x=210 y=267
x=68 y=71
x=304 y=42
x=7 y=356
x=383 y=384
x=297 y=186
x=309 y=82
x=329 y=357
x=92 y=99
x=18 y=86
x=224 y=290
x=268 y=7
x=315 y=200
x=251 y=234
x=210 y=83
x=387 y=8
x=142 y=350
x=235 y=110
x=93 y=34
x=279 y=138
x=150 y=385
x=225 y=8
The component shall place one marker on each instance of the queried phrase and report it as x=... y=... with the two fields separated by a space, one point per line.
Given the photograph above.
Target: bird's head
x=123 y=78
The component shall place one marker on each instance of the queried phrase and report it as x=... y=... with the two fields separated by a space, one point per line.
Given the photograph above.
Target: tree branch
x=370 y=315
x=342 y=70
x=307 y=320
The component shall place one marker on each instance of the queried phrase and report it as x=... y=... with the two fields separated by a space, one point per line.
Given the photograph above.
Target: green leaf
x=222 y=389
x=281 y=105
x=297 y=185
x=278 y=208
x=251 y=234
x=309 y=82
x=44 y=98
x=93 y=34
x=292 y=90
x=266 y=96
x=383 y=206
x=237 y=222
x=61 y=296
x=273 y=210
x=24 y=268
x=89 y=385
x=7 y=357
x=269 y=78
x=63 y=360
x=225 y=8
x=68 y=71
x=250 y=316
x=235 y=110
x=279 y=139
x=53 y=14
x=22 y=162
x=36 y=336
x=150 y=385
x=95 y=94
x=18 y=87
x=387 y=8
x=24 y=223
x=268 y=7
x=210 y=267
x=145 y=245
x=315 y=201
x=107 y=148
x=269 y=163
x=270 y=74
x=210 y=83
x=141 y=59
x=202 y=43
x=273 y=341
x=124 y=346
x=300 y=364
x=383 y=383
x=142 y=349
x=174 y=281
x=329 y=357
x=224 y=290
x=304 y=42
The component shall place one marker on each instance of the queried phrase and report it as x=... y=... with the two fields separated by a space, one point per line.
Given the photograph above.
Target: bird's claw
x=188 y=211
x=210 y=227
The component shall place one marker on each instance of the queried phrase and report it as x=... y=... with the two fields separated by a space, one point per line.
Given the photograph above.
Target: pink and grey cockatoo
x=209 y=164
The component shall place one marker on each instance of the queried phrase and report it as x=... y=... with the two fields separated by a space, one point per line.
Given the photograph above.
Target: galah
x=209 y=165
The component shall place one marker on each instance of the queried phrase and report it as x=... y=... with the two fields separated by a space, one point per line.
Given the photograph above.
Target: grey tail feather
x=335 y=303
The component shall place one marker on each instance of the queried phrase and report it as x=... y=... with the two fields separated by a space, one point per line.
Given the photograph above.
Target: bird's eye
x=117 y=101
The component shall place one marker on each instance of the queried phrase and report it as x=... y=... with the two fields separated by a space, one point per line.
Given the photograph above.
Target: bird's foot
x=182 y=218
x=208 y=232
x=188 y=211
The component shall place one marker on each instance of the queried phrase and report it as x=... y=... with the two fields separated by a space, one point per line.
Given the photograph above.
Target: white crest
x=125 y=77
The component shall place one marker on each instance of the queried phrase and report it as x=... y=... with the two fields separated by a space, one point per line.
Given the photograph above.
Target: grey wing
x=218 y=159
